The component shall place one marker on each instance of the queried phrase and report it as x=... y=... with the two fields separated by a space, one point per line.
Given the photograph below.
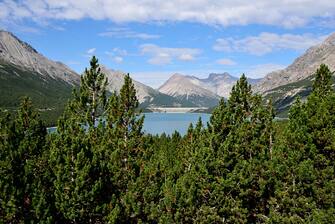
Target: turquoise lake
x=158 y=123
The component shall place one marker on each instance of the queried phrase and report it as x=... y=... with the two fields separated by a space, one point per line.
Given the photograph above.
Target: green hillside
x=49 y=95
x=284 y=96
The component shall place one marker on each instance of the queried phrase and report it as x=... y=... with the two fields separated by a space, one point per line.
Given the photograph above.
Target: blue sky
x=153 y=39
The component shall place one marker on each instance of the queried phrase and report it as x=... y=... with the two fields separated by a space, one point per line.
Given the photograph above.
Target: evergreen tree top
x=322 y=83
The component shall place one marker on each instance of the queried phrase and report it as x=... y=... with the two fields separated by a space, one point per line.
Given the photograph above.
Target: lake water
x=158 y=123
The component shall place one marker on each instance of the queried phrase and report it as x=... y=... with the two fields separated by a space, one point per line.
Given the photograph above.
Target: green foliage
x=91 y=102
x=74 y=151
x=322 y=84
x=22 y=143
x=306 y=186
x=49 y=95
x=99 y=167
x=302 y=88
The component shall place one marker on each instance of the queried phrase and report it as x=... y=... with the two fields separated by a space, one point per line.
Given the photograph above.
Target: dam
x=176 y=109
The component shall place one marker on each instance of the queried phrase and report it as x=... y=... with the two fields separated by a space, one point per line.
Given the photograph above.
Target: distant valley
x=24 y=71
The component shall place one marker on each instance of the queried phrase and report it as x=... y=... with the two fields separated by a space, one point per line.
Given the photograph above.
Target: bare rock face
x=191 y=89
x=19 y=53
x=147 y=96
x=185 y=85
x=201 y=92
x=302 y=68
x=220 y=84
x=216 y=84
x=116 y=81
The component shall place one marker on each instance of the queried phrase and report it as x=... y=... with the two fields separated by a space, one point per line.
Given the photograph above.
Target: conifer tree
x=241 y=133
x=22 y=141
x=91 y=101
x=323 y=81
x=74 y=155
x=219 y=125
x=306 y=189
x=240 y=100
x=124 y=141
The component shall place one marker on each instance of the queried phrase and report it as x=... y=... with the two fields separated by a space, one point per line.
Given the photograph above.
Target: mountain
x=16 y=52
x=284 y=85
x=147 y=96
x=25 y=72
x=302 y=68
x=220 y=84
x=189 y=88
x=202 y=92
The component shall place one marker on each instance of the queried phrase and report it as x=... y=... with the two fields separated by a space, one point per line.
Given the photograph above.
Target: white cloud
x=164 y=55
x=117 y=54
x=91 y=51
x=287 y=13
x=266 y=43
x=118 y=59
x=120 y=51
x=225 y=61
x=186 y=57
x=127 y=33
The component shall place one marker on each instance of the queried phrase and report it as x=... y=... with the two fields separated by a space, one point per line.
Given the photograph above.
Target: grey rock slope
x=147 y=96
x=16 y=52
x=302 y=68
x=25 y=72
x=203 y=92
x=191 y=89
x=285 y=85
x=220 y=84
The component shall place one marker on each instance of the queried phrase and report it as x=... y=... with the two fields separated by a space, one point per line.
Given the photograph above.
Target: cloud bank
x=266 y=43
x=127 y=33
x=164 y=55
x=286 y=13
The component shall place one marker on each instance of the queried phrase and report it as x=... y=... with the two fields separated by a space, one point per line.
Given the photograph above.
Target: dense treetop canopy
x=99 y=167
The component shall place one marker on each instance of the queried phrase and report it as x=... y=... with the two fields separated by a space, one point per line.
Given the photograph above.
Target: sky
x=153 y=39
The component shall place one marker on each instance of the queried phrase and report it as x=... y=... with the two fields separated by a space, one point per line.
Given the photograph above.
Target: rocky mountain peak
x=17 y=52
x=10 y=44
x=302 y=68
x=177 y=76
x=216 y=76
x=189 y=88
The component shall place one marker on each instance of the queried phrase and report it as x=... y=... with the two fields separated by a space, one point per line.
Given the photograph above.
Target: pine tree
x=241 y=131
x=240 y=100
x=91 y=101
x=22 y=142
x=123 y=140
x=305 y=190
x=323 y=81
x=75 y=151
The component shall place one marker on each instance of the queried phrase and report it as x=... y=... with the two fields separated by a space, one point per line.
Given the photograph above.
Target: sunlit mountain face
x=154 y=40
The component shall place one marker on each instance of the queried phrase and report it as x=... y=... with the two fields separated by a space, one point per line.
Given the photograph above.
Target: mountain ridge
x=302 y=67
x=285 y=85
x=189 y=88
x=211 y=88
x=147 y=96
x=17 y=52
